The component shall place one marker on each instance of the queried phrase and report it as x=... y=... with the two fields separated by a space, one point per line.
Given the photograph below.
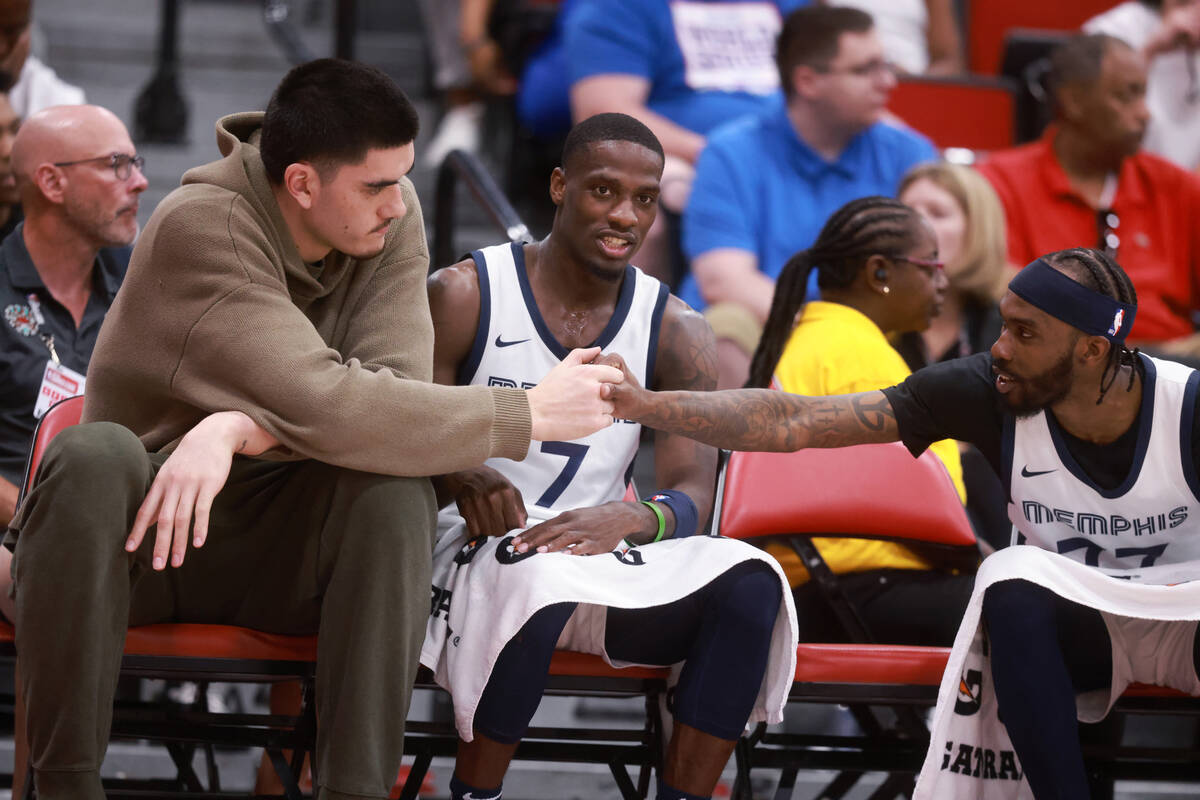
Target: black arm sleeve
x=950 y=400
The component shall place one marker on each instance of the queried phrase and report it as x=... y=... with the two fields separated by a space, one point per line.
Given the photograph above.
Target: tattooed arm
x=687 y=360
x=760 y=419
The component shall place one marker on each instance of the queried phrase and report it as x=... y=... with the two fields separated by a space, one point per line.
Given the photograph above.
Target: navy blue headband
x=1041 y=285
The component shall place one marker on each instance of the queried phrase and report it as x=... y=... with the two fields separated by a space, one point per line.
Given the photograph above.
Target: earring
x=887 y=289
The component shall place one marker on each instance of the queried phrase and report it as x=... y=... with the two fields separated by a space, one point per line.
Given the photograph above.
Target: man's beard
x=1038 y=392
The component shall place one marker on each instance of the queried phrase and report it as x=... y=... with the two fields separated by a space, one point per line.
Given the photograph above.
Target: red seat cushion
x=217 y=641
x=1146 y=690
x=815 y=663
x=570 y=663
x=208 y=641
x=870 y=663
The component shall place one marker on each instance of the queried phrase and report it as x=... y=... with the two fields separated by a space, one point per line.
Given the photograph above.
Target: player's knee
x=750 y=594
x=541 y=631
x=1016 y=602
x=88 y=485
x=99 y=457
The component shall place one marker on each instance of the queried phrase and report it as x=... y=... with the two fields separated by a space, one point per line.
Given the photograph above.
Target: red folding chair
x=190 y=652
x=870 y=491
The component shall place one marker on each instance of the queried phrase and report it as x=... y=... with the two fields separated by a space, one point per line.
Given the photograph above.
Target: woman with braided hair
x=877 y=267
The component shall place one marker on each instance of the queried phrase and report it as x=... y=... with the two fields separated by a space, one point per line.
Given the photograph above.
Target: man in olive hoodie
x=272 y=342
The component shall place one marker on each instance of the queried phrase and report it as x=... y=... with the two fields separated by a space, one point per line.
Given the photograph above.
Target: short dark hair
x=330 y=112
x=1078 y=60
x=811 y=36
x=609 y=127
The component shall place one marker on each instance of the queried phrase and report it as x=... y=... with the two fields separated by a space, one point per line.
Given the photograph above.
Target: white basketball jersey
x=1148 y=528
x=514 y=347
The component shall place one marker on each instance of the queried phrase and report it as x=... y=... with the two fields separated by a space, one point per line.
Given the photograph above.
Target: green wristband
x=662 y=521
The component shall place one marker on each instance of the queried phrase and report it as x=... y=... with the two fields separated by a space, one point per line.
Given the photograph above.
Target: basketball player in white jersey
x=1099 y=447
x=505 y=317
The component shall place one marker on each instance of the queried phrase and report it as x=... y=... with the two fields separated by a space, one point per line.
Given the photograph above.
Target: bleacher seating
x=970 y=112
x=989 y=20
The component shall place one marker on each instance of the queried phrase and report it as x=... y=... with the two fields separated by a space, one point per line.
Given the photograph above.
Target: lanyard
x=35 y=306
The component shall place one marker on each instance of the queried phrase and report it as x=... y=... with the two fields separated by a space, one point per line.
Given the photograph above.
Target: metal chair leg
x=624 y=782
x=416 y=776
x=291 y=785
x=743 y=761
x=896 y=784
x=840 y=785
x=787 y=784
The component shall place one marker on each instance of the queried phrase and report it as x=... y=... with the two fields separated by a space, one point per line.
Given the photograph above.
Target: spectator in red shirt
x=1087 y=183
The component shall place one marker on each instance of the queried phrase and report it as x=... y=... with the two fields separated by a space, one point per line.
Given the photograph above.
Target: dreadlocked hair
x=855 y=232
x=1101 y=273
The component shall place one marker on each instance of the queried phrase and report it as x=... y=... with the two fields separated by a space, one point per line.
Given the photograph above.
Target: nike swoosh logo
x=501 y=343
x=468 y=795
x=1025 y=473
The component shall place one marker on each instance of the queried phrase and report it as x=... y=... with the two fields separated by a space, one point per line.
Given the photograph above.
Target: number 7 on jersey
x=574 y=454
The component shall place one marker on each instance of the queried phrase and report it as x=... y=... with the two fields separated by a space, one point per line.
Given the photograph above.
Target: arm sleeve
x=605 y=37
x=720 y=207
x=366 y=405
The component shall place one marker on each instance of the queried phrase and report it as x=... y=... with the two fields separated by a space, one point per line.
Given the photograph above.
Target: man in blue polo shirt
x=766 y=184
x=682 y=67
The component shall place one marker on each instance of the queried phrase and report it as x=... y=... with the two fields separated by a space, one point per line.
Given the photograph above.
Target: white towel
x=970 y=755
x=483 y=594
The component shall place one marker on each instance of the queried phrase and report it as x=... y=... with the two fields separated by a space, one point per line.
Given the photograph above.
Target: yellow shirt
x=836 y=349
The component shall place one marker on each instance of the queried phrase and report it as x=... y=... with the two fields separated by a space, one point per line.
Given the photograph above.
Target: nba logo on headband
x=1117 y=320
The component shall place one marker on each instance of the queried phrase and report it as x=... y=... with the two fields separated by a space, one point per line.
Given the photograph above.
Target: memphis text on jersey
x=1100 y=525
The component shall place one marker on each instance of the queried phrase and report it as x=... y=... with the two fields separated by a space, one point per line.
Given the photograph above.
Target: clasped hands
x=580 y=396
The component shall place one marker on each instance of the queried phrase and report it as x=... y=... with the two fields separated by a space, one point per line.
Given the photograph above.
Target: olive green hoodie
x=218 y=312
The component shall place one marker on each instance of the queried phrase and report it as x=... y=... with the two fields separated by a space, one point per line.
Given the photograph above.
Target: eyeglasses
x=928 y=266
x=122 y=164
x=871 y=69
x=1107 y=223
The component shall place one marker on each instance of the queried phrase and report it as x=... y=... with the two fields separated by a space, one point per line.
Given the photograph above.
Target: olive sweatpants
x=293 y=548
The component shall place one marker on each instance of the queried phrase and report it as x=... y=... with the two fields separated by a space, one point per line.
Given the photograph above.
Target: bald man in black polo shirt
x=79 y=178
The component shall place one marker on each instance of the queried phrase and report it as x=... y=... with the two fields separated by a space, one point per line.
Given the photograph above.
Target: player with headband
x=1101 y=483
